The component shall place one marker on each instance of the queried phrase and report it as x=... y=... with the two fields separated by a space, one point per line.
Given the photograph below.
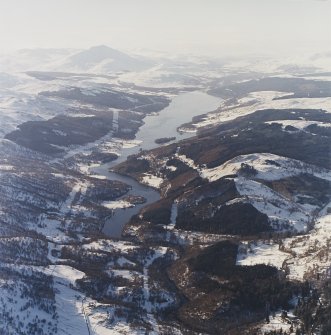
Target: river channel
x=181 y=110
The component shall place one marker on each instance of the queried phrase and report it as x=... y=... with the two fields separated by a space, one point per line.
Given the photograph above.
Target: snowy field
x=258 y=101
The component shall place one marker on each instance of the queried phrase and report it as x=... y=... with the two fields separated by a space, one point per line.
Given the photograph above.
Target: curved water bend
x=114 y=226
x=181 y=110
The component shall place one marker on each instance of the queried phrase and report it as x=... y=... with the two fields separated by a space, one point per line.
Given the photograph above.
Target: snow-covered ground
x=258 y=101
x=152 y=181
x=117 y=204
x=268 y=167
x=20 y=101
x=311 y=257
x=252 y=253
x=22 y=309
x=50 y=226
x=305 y=256
x=278 y=323
x=282 y=213
x=71 y=318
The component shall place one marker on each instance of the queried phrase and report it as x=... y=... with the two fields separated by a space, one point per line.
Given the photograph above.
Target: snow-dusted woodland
x=64 y=123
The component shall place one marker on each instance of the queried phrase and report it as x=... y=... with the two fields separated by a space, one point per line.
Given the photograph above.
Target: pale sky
x=202 y=26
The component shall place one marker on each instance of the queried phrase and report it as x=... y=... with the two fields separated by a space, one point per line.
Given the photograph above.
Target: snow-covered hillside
x=242 y=218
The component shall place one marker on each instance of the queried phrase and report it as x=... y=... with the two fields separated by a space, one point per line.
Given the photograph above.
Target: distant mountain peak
x=114 y=59
x=97 y=54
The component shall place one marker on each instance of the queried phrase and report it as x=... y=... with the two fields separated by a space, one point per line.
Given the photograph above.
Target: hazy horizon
x=222 y=27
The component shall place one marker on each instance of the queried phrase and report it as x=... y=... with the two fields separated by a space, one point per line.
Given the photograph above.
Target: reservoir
x=164 y=124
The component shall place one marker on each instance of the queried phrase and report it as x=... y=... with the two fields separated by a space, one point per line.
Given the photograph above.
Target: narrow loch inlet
x=181 y=110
